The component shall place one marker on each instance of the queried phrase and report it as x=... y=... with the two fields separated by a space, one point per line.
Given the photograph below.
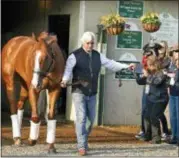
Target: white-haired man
x=84 y=64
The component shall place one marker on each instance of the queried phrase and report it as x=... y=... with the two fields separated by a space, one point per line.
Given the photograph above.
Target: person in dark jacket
x=84 y=64
x=149 y=49
x=160 y=51
x=164 y=61
x=173 y=73
x=156 y=98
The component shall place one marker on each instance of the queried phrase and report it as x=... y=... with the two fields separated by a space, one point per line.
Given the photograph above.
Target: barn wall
x=122 y=105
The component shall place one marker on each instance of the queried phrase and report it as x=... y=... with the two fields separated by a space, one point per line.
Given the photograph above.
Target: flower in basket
x=113 y=22
x=150 y=22
x=112 y=19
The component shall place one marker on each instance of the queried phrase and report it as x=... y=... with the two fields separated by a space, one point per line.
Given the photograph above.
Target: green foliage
x=150 y=18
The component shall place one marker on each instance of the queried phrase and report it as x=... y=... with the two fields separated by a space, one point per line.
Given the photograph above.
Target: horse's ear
x=43 y=35
x=33 y=36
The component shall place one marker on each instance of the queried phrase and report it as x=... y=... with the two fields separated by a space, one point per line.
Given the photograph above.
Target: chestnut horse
x=40 y=65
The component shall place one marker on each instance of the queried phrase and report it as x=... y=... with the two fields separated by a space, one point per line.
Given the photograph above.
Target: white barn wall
x=122 y=105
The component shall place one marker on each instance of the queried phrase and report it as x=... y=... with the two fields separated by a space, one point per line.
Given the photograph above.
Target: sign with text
x=131 y=9
x=130 y=39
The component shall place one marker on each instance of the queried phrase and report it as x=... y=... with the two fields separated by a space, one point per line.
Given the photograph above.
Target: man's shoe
x=82 y=152
x=140 y=135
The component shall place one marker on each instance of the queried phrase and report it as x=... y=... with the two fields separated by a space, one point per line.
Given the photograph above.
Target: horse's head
x=43 y=35
x=44 y=62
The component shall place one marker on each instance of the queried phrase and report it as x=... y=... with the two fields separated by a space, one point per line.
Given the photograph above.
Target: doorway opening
x=60 y=26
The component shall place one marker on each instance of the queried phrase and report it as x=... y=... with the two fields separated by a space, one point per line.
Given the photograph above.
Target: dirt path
x=103 y=141
x=66 y=133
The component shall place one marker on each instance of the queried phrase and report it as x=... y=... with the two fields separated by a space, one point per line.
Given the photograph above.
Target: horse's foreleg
x=51 y=123
x=35 y=121
x=20 y=104
x=13 y=109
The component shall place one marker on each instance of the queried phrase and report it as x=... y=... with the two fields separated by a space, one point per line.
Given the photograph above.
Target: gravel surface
x=95 y=150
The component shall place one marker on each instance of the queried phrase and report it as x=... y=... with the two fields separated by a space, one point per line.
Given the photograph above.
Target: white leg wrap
x=20 y=116
x=51 y=129
x=15 y=126
x=34 y=130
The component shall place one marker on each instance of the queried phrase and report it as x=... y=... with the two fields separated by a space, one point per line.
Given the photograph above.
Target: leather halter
x=50 y=65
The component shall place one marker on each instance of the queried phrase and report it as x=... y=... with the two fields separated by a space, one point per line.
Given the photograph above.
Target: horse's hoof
x=52 y=151
x=17 y=142
x=32 y=142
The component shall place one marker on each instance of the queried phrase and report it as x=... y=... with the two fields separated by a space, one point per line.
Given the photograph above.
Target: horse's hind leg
x=9 y=81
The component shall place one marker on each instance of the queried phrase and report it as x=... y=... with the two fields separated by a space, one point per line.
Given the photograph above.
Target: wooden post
x=102 y=48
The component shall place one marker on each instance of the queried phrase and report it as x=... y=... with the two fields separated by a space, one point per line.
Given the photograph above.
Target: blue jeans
x=174 y=116
x=85 y=108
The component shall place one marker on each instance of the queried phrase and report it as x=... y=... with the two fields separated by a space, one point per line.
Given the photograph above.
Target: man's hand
x=64 y=84
x=132 y=66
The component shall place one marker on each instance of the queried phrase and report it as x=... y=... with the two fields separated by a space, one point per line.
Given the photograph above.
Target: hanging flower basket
x=115 y=29
x=114 y=24
x=149 y=27
x=150 y=22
